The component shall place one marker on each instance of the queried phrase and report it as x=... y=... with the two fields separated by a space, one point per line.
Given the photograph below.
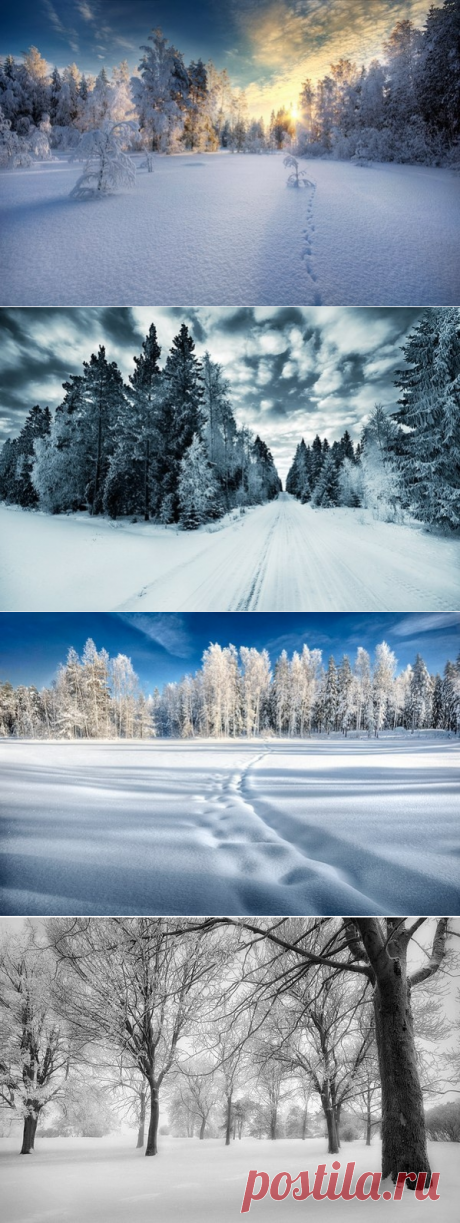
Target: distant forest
x=401 y=107
x=407 y=460
x=235 y=693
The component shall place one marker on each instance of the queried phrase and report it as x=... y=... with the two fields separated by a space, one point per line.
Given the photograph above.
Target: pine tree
x=199 y=495
x=326 y=492
x=161 y=93
x=330 y=696
x=182 y=415
x=430 y=412
x=131 y=485
x=18 y=460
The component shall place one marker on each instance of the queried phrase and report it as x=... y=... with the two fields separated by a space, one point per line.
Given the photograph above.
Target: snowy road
x=223 y=229
x=296 y=827
x=278 y=557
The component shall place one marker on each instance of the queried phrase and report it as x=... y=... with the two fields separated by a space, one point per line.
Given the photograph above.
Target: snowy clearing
x=104 y=1180
x=223 y=229
x=281 y=556
x=325 y=825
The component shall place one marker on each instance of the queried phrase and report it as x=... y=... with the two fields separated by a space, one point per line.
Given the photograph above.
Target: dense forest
x=408 y=458
x=235 y=693
x=165 y=446
x=402 y=107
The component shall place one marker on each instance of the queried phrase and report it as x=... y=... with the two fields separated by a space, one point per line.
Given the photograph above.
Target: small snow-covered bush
x=107 y=166
x=297 y=178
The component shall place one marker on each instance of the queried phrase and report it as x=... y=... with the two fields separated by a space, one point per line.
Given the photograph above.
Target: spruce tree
x=182 y=415
x=430 y=413
x=131 y=485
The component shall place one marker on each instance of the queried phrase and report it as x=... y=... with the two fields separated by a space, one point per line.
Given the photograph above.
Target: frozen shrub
x=107 y=166
x=297 y=178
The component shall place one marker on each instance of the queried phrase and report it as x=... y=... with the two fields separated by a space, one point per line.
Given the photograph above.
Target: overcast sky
x=267 y=46
x=293 y=371
x=165 y=646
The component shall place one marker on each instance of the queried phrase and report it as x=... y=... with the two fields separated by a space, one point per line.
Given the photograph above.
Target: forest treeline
x=235 y=693
x=407 y=459
x=229 y=1027
x=164 y=446
x=402 y=107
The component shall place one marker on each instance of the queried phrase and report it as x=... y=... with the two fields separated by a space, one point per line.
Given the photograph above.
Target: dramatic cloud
x=268 y=46
x=292 y=372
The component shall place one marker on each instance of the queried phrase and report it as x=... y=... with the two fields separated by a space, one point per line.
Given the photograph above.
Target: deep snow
x=223 y=229
x=277 y=557
x=77 y=1180
x=325 y=825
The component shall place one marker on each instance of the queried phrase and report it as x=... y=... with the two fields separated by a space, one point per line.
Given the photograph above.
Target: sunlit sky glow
x=293 y=371
x=267 y=46
x=165 y=646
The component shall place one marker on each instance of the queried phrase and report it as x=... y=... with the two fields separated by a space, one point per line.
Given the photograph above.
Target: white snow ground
x=223 y=229
x=105 y=1180
x=325 y=825
x=277 y=557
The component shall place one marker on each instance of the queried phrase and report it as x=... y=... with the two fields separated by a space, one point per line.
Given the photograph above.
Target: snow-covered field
x=277 y=557
x=223 y=229
x=104 y=1180
x=325 y=825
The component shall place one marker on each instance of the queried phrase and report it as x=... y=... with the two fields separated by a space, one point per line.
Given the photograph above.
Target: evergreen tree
x=199 y=495
x=430 y=412
x=19 y=457
x=103 y=402
x=330 y=697
x=182 y=416
x=131 y=484
x=326 y=492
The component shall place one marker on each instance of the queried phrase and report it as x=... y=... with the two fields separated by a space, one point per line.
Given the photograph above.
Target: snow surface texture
x=105 y=1180
x=223 y=229
x=325 y=825
x=282 y=556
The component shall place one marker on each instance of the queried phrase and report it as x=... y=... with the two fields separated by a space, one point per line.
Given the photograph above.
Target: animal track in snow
x=307 y=252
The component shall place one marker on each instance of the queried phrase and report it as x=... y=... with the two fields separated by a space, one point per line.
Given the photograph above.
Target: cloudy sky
x=293 y=371
x=165 y=646
x=267 y=46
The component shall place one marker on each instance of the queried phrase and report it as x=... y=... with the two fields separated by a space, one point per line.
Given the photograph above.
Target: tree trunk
x=228 y=1124
x=202 y=1128
x=403 y=1121
x=142 y=1111
x=152 y=1143
x=273 y=1123
x=331 y=1122
x=97 y=473
x=146 y=482
x=28 y=1136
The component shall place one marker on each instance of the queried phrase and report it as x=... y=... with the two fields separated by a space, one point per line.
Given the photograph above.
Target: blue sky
x=267 y=46
x=292 y=371
x=163 y=647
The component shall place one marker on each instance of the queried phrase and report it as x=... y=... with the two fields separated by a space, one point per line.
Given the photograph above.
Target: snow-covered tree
x=430 y=414
x=199 y=494
x=161 y=92
x=107 y=166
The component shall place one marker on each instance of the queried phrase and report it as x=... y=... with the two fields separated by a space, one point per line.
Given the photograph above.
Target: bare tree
x=141 y=991
x=36 y=1048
